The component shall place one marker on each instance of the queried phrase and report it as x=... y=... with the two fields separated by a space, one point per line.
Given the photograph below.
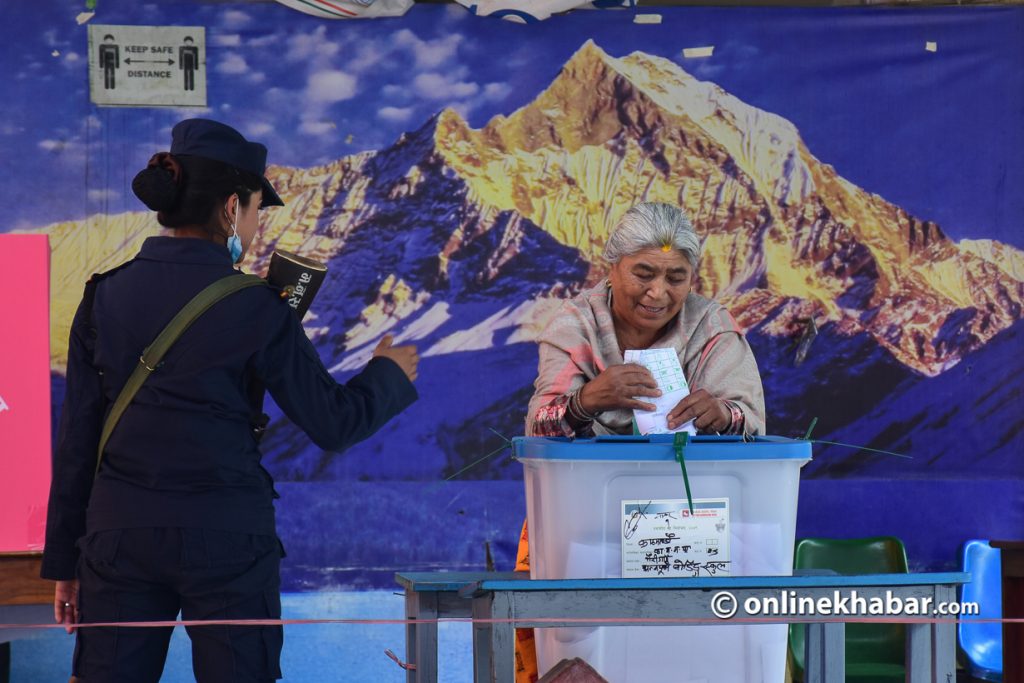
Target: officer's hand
x=405 y=356
x=65 y=604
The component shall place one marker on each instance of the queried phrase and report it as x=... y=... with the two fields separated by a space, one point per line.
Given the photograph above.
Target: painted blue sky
x=940 y=134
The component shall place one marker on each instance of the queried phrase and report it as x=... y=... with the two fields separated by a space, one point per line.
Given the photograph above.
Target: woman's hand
x=405 y=356
x=709 y=414
x=65 y=604
x=616 y=387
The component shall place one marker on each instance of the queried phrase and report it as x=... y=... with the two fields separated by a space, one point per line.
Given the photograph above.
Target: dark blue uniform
x=181 y=502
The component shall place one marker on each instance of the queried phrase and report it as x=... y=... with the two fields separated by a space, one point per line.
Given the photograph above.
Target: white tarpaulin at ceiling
x=529 y=11
x=350 y=9
x=522 y=11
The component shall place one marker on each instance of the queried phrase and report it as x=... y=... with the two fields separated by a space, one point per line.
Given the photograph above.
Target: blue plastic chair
x=982 y=644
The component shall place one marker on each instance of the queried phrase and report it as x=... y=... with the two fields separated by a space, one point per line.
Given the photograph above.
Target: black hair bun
x=156 y=188
x=159 y=184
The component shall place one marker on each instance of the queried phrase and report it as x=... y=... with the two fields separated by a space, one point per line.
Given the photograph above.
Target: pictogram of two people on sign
x=110 y=61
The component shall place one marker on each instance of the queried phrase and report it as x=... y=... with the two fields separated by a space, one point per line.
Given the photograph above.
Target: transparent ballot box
x=617 y=507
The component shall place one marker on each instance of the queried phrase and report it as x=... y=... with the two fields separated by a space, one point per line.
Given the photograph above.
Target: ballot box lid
x=660 y=447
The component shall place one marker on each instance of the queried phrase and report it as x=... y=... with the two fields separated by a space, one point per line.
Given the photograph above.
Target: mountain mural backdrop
x=463 y=241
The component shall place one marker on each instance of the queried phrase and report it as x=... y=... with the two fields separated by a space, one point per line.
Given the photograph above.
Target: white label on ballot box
x=662 y=538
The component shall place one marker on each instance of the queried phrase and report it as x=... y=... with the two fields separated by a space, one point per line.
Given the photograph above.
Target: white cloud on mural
x=435 y=86
x=331 y=86
x=275 y=97
x=263 y=41
x=226 y=40
x=235 y=19
x=317 y=127
x=232 y=64
x=395 y=114
x=103 y=195
x=496 y=91
x=69 y=150
x=53 y=145
x=392 y=91
x=306 y=46
x=369 y=55
x=259 y=129
x=429 y=54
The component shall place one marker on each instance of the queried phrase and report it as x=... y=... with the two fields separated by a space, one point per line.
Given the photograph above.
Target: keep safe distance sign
x=147 y=66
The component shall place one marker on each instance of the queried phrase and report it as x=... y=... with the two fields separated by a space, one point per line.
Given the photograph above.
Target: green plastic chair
x=874 y=653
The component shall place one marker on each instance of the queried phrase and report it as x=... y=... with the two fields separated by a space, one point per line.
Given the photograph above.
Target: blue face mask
x=235 y=245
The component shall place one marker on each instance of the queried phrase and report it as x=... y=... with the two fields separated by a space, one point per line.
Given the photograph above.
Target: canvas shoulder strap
x=151 y=358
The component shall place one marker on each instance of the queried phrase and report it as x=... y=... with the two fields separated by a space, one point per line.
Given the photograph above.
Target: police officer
x=180 y=515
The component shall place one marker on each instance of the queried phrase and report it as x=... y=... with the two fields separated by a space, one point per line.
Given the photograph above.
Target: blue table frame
x=513 y=600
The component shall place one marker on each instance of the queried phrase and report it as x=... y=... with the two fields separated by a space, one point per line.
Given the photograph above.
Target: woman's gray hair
x=653 y=225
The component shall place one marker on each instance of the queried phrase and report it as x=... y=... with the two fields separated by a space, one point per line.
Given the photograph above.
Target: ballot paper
x=662 y=538
x=664 y=366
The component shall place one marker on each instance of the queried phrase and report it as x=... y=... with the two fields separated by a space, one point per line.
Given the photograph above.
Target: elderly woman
x=584 y=388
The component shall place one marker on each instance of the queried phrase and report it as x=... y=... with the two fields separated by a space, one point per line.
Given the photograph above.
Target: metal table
x=504 y=601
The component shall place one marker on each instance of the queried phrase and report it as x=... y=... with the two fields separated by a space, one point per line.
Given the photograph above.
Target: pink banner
x=24 y=391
